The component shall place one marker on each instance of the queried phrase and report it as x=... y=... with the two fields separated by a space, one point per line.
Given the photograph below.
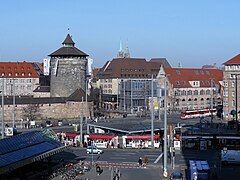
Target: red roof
x=180 y=77
x=234 y=60
x=18 y=70
x=101 y=136
x=143 y=137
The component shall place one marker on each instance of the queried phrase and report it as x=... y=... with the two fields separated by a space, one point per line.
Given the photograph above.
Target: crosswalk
x=105 y=164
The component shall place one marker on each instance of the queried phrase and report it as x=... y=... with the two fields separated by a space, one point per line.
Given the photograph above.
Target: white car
x=94 y=150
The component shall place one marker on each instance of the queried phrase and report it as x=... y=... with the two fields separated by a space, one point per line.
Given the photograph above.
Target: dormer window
x=23 y=74
x=10 y=74
x=29 y=74
x=16 y=74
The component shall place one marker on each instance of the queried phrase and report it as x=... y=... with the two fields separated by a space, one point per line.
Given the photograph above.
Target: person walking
x=140 y=161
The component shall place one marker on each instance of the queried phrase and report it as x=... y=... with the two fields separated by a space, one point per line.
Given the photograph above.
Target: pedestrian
x=145 y=160
x=140 y=161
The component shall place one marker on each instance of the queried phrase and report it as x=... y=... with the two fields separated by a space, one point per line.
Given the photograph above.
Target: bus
x=188 y=114
x=199 y=169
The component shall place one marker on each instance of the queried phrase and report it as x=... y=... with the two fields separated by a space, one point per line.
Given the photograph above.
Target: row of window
x=17 y=74
x=195 y=92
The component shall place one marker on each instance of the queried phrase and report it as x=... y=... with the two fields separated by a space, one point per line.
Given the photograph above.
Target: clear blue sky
x=187 y=31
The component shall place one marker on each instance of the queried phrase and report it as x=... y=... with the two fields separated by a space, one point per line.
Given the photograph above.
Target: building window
x=233 y=94
x=225 y=83
x=202 y=92
x=208 y=92
x=233 y=84
x=183 y=92
x=189 y=92
x=196 y=92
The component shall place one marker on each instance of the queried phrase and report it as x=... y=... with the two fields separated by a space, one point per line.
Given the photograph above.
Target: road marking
x=158 y=158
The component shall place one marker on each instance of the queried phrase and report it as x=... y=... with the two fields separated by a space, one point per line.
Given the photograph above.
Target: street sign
x=9 y=131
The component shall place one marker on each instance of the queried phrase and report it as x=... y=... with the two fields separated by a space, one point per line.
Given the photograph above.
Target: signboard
x=32 y=123
x=9 y=131
x=46 y=66
x=155 y=103
x=177 y=145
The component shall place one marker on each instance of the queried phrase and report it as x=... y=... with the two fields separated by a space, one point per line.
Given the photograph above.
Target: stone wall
x=70 y=75
x=69 y=110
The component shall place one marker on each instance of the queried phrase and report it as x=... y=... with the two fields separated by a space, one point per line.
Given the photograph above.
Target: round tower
x=68 y=67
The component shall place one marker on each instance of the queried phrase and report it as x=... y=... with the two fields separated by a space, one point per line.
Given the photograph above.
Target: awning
x=100 y=136
x=72 y=135
x=144 y=137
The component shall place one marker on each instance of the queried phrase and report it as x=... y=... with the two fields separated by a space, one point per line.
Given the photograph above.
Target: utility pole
x=152 y=128
x=81 y=124
x=165 y=173
x=2 y=107
x=124 y=96
x=14 y=102
x=211 y=108
x=236 y=99
x=131 y=97
x=117 y=92
x=86 y=105
x=159 y=103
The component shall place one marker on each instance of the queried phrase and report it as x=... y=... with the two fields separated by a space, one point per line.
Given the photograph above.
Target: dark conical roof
x=68 y=49
x=68 y=40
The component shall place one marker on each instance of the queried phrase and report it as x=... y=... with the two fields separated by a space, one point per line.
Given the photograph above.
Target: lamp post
x=81 y=123
x=162 y=75
x=236 y=108
x=2 y=107
x=165 y=173
x=86 y=104
x=152 y=116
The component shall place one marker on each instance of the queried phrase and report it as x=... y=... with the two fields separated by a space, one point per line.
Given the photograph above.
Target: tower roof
x=68 y=40
x=68 y=49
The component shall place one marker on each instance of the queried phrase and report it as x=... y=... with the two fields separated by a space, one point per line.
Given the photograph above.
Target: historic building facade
x=68 y=67
x=20 y=78
x=231 y=95
x=129 y=81
x=193 y=88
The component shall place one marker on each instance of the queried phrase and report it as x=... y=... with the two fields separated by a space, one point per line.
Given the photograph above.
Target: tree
x=31 y=112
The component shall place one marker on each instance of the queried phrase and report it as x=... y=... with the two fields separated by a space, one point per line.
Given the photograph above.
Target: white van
x=230 y=156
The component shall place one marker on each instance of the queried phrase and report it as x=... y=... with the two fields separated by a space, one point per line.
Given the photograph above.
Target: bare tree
x=31 y=112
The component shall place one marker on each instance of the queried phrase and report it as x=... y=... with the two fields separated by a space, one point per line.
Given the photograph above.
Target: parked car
x=49 y=124
x=60 y=123
x=94 y=150
x=176 y=175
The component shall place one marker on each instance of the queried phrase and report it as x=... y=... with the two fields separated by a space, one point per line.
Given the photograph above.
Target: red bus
x=188 y=114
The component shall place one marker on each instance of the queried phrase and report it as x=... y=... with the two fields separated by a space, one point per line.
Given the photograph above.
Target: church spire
x=127 y=53
x=120 y=51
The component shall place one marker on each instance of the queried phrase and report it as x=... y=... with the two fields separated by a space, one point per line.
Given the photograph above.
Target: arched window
x=195 y=99
x=189 y=92
x=202 y=92
x=195 y=92
x=189 y=99
x=183 y=92
x=208 y=92
x=183 y=99
x=202 y=99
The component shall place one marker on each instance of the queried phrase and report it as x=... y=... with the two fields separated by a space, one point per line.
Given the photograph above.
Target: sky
x=190 y=32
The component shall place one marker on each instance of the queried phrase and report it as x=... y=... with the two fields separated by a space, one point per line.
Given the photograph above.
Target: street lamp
x=2 y=107
x=162 y=75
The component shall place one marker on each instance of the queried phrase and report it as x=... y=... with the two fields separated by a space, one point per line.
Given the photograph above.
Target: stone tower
x=67 y=69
